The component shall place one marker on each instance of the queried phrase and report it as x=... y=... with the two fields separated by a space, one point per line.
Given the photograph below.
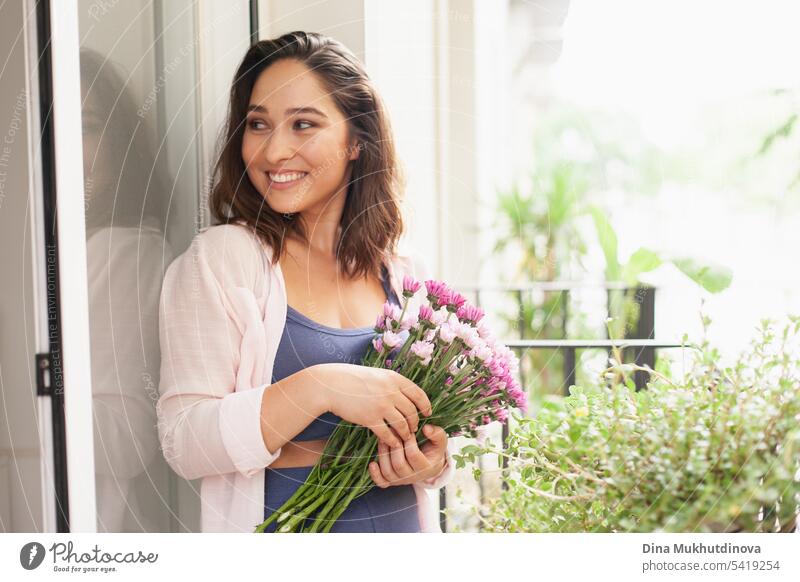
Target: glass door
x=139 y=92
x=141 y=180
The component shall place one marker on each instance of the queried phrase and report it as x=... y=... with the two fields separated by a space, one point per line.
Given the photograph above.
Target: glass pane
x=141 y=167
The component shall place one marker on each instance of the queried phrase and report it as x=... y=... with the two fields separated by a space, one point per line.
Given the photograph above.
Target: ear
x=355 y=150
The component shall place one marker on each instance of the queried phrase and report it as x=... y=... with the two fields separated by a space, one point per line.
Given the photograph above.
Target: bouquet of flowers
x=467 y=375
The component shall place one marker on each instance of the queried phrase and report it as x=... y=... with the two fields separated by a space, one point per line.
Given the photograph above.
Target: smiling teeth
x=282 y=178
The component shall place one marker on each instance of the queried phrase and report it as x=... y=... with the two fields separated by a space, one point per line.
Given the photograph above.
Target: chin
x=283 y=203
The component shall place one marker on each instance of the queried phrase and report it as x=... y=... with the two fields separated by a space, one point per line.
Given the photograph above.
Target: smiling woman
x=279 y=304
x=307 y=134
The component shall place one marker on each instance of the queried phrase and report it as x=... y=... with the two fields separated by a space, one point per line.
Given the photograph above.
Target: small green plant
x=541 y=227
x=717 y=450
x=623 y=306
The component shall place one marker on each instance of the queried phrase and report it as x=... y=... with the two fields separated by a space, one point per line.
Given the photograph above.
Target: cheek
x=249 y=150
x=327 y=157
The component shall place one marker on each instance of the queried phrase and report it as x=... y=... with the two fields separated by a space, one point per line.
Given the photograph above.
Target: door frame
x=57 y=195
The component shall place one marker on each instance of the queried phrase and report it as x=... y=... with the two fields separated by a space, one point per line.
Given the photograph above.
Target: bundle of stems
x=467 y=375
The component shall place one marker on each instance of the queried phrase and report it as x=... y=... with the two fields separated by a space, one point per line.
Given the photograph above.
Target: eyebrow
x=289 y=112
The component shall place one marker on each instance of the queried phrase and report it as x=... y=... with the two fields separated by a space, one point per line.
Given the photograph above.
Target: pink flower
x=437 y=293
x=469 y=313
x=425 y=313
x=482 y=351
x=391 y=311
x=410 y=286
x=380 y=323
x=377 y=343
x=501 y=414
x=483 y=330
x=431 y=333
x=480 y=433
x=423 y=350
x=455 y=300
x=444 y=298
x=519 y=398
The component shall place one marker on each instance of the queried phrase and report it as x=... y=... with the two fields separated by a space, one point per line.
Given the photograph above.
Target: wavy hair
x=371 y=222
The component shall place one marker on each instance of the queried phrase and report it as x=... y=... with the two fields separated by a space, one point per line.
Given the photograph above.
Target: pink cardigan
x=221 y=317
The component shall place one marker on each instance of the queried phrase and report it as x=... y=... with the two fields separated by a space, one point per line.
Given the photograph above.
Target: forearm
x=291 y=404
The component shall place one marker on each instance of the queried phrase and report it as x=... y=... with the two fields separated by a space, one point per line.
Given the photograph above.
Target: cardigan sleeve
x=205 y=426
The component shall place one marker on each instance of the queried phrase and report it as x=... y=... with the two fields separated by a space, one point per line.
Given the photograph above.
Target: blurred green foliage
x=716 y=450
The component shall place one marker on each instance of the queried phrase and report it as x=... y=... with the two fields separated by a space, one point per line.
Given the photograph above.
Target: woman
x=264 y=319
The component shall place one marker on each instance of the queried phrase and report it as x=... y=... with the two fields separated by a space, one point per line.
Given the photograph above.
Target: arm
x=205 y=426
x=290 y=405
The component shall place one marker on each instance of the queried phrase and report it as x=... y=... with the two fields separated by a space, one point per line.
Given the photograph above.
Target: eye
x=254 y=124
x=302 y=121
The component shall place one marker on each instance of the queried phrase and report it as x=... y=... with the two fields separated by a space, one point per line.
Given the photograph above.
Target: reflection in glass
x=130 y=194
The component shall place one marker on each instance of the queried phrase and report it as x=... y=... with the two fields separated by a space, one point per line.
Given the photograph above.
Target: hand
x=410 y=463
x=382 y=400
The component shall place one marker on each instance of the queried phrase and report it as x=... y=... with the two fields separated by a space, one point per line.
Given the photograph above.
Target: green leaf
x=783 y=131
x=642 y=261
x=608 y=242
x=713 y=278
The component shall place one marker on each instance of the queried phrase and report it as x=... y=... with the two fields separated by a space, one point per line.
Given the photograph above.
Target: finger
x=377 y=477
x=408 y=410
x=386 y=465
x=385 y=435
x=399 y=423
x=435 y=435
x=417 y=396
x=437 y=442
x=418 y=461
x=399 y=463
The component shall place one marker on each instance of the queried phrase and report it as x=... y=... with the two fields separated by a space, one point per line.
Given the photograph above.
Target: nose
x=278 y=146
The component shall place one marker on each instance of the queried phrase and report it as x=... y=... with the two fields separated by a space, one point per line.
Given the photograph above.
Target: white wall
x=441 y=68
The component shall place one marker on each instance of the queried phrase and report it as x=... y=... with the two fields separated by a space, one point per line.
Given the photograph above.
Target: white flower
x=431 y=333
x=408 y=322
x=446 y=333
x=467 y=333
x=483 y=351
x=439 y=316
x=422 y=350
x=483 y=329
x=391 y=339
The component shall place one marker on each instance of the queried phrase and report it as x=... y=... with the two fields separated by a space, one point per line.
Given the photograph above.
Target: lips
x=284 y=180
x=285 y=177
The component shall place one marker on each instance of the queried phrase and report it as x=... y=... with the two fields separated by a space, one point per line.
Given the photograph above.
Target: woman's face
x=295 y=146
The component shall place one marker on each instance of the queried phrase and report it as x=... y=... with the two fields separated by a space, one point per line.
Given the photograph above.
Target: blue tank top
x=305 y=343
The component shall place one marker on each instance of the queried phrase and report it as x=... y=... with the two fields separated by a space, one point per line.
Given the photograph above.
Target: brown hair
x=371 y=220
